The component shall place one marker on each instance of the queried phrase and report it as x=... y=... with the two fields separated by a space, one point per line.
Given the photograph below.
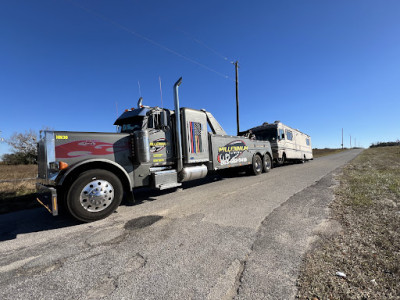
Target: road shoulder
x=282 y=240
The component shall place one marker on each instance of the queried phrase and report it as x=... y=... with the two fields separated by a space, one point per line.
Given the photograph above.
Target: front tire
x=94 y=195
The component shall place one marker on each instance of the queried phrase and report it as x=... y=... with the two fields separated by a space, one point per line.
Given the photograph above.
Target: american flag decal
x=195 y=144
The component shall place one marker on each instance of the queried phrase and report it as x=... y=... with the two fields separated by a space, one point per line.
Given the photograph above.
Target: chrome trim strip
x=50 y=148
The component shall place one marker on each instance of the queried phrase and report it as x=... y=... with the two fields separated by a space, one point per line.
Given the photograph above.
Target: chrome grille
x=46 y=154
x=41 y=159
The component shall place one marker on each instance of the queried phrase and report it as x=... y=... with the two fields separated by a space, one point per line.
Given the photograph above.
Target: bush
x=18 y=158
x=385 y=144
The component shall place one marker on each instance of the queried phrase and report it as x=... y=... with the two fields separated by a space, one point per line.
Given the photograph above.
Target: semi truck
x=89 y=173
x=288 y=144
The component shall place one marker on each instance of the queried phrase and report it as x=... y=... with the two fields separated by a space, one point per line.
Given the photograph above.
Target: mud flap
x=47 y=197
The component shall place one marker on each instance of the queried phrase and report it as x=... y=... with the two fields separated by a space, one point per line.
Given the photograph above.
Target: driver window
x=154 y=121
x=150 y=122
x=281 y=134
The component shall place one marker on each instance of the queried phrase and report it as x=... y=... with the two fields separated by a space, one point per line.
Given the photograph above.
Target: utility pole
x=236 y=63
x=350 y=141
x=342 y=138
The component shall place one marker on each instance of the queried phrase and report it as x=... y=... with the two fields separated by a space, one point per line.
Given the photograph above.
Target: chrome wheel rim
x=97 y=195
x=267 y=163
x=258 y=164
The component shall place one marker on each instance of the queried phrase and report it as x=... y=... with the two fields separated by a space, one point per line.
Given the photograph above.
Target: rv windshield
x=133 y=125
x=267 y=134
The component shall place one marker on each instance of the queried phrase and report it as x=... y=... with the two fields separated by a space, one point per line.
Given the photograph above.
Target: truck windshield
x=267 y=134
x=133 y=125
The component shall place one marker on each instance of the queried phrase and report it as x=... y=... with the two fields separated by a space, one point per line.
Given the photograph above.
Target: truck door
x=160 y=139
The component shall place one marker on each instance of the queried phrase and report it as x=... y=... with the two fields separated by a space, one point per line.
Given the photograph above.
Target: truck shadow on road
x=38 y=219
x=145 y=194
x=30 y=220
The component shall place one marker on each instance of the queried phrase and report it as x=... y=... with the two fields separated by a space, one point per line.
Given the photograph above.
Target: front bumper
x=47 y=196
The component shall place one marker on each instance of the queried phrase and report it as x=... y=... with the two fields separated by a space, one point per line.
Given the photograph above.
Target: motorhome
x=288 y=144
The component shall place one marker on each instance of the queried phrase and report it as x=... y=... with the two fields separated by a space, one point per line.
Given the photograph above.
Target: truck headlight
x=58 y=165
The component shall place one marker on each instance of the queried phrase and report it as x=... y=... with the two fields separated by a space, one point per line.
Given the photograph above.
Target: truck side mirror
x=164 y=119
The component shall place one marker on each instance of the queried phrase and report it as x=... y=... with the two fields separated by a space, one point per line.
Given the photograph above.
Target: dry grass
x=323 y=152
x=368 y=248
x=15 y=189
x=17 y=172
x=17 y=194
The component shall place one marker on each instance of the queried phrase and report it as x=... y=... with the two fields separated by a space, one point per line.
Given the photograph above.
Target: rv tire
x=282 y=160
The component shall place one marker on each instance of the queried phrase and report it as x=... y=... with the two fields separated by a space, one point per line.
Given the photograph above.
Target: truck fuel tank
x=191 y=173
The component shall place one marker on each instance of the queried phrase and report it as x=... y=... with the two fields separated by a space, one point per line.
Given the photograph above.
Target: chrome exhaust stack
x=178 y=126
x=140 y=102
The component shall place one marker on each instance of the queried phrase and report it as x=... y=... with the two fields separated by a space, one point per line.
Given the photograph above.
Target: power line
x=204 y=45
x=107 y=19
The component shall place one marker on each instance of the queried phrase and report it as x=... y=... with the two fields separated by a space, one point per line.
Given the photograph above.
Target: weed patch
x=367 y=206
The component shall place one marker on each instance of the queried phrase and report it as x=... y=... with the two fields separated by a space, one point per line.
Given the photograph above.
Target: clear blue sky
x=318 y=66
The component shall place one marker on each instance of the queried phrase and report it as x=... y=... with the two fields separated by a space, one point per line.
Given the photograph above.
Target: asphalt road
x=237 y=237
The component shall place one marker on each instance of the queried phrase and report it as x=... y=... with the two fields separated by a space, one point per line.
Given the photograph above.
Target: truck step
x=169 y=186
x=163 y=180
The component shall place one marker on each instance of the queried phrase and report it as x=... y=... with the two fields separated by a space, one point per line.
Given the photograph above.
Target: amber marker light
x=62 y=165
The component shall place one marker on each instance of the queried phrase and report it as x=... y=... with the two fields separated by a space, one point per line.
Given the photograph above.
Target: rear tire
x=267 y=163
x=94 y=195
x=282 y=161
x=257 y=167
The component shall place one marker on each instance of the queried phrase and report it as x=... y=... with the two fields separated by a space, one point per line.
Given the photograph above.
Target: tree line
x=24 y=149
x=385 y=144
